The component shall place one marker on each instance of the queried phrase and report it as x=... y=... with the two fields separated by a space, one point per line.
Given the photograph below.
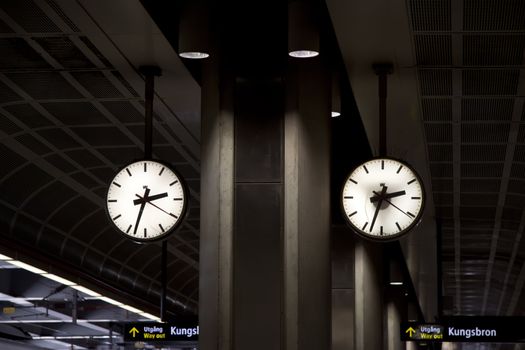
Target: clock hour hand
x=146 y=192
x=387 y=195
x=150 y=198
x=378 y=207
x=147 y=201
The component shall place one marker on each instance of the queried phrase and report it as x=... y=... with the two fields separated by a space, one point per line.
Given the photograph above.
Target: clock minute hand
x=387 y=195
x=395 y=206
x=150 y=198
x=146 y=192
x=146 y=201
x=378 y=207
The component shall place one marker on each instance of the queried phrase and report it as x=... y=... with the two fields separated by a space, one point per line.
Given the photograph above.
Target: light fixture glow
x=111 y=301
x=194 y=33
x=27 y=267
x=58 y=279
x=303 y=53
x=194 y=55
x=303 y=34
x=336 y=94
x=150 y=316
x=86 y=290
x=396 y=283
x=131 y=308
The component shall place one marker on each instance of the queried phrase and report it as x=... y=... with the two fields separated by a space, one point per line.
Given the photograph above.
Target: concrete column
x=216 y=225
x=369 y=287
x=307 y=206
x=394 y=317
x=265 y=252
x=343 y=292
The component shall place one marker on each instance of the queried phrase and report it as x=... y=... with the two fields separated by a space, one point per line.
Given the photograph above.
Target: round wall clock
x=146 y=200
x=383 y=199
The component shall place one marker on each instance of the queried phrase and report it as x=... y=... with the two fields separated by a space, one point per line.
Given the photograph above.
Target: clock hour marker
x=177 y=199
x=175 y=216
x=145 y=167
x=145 y=232
x=364 y=226
x=412 y=215
x=161 y=228
x=416 y=197
x=129 y=228
x=174 y=182
x=112 y=200
x=161 y=171
x=411 y=181
x=116 y=184
x=398 y=227
x=129 y=172
x=116 y=217
x=381 y=230
x=355 y=212
x=398 y=170
x=348 y=197
x=382 y=164
x=353 y=181
x=364 y=167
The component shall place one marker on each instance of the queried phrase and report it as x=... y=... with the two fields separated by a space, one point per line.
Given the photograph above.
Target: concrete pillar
x=369 y=285
x=307 y=206
x=394 y=317
x=343 y=292
x=264 y=279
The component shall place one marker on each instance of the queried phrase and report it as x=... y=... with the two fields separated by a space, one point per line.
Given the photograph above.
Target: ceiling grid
x=66 y=110
x=479 y=190
x=456 y=23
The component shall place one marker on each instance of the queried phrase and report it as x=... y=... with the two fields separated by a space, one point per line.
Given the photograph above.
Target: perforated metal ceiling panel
x=68 y=121
x=470 y=58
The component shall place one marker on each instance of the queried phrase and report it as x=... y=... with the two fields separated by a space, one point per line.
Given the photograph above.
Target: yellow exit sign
x=9 y=310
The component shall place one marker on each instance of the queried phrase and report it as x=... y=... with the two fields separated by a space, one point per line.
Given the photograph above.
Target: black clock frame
x=389 y=238
x=184 y=213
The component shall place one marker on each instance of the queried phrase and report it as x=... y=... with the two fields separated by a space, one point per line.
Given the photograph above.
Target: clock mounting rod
x=150 y=72
x=382 y=70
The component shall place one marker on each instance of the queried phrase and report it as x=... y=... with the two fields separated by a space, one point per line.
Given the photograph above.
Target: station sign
x=467 y=329
x=157 y=331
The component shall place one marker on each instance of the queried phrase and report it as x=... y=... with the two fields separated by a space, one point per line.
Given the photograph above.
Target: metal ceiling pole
x=163 y=280
x=149 y=72
x=382 y=70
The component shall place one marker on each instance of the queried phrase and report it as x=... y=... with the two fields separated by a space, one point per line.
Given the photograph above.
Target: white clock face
x=383 y=198
x=146 y=200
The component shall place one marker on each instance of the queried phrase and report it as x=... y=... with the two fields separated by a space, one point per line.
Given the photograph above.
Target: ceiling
x=72 y=111
x=71 y=115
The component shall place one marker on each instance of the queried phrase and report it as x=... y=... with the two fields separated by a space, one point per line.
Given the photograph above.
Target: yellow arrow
x=134 y=331
x=410 y=331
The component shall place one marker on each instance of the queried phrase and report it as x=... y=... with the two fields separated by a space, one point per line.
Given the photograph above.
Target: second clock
x=383 y=198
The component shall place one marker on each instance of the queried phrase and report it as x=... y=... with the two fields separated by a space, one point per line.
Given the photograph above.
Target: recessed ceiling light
x=303 y=53
x=396 y=283
x=335 y=114
x=194 y=55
